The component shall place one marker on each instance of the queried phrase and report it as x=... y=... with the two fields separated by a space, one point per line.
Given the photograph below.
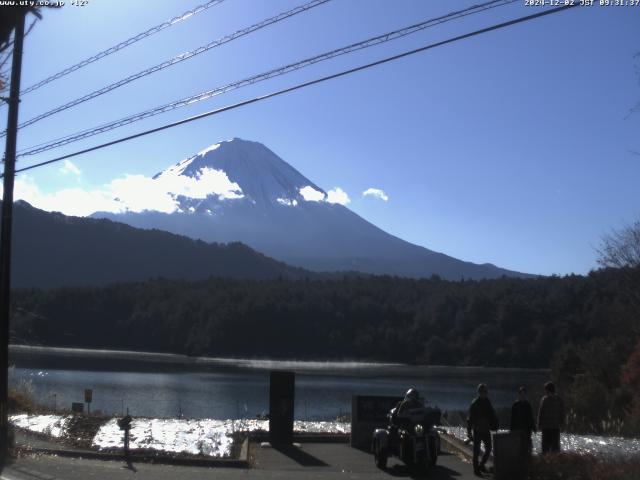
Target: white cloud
x=337 y=195
x=71 y=201
x=207 y=181
x=137 y=193
x=70 y=167
x=134 y=193
x=376 y=193
x=310 y=194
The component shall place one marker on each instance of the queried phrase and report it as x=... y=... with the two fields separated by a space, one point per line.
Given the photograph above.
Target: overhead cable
x=173 y=61
x=302 y=85
x=130 y=41
x=386 y=37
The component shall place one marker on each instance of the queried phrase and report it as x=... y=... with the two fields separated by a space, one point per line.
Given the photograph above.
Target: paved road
x=310 y=461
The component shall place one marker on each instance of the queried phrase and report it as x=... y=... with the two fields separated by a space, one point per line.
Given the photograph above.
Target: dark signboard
x=88 y=395
x=374 y=408
x=369 y=412
x=281 y=401
x=77 y=407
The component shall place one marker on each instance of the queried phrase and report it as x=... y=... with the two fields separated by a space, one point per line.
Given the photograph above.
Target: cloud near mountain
x=375 y=193
x=337 y=195
x=161 y=193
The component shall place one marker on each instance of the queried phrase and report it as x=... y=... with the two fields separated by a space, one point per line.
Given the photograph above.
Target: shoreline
x=71 y=358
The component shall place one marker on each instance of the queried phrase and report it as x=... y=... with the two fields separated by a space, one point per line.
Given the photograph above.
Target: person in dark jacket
x=482 y=419
x=522 y=418
x=550 y=419
x=403 y=413
x=411 y=401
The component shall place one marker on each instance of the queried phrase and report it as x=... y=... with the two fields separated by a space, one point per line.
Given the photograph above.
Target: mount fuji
x=239 y=190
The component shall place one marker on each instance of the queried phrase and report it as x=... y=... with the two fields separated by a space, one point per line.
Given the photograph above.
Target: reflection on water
x=322 y=392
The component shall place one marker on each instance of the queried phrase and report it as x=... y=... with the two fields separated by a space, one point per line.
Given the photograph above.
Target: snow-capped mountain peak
x=238 y=169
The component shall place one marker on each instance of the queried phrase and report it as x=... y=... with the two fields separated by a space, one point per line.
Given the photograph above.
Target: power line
x=302 y=85
x=130 y=41
x=386 y=37
x=175 y=60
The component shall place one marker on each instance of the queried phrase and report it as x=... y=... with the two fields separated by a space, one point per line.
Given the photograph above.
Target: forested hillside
x=505 y=322
x=51 y=250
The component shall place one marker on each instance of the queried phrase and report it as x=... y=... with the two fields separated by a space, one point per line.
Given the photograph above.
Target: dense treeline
x=505 y=322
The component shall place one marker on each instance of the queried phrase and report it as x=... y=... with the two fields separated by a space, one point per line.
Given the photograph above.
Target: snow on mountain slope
x=238 y=169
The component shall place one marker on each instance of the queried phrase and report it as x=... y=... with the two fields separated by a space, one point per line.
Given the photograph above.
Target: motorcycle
x=411 y=437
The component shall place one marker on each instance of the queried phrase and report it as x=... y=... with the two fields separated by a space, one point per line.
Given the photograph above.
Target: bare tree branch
x=621 y=250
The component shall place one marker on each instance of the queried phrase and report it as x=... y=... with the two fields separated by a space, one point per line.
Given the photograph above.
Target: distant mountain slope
x=51 y=249
x=242 y=191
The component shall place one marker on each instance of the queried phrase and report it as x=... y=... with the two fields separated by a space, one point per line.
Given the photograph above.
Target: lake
x=165 y=386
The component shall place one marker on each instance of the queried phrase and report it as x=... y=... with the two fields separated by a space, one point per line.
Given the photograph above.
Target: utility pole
x=5 y=233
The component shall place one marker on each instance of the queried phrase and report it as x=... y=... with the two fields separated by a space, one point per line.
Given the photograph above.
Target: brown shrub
x=21 y=402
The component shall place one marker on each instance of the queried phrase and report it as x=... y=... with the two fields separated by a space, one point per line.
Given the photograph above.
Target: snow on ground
x=215 y=437
x=594 y=444
x=54 y=425
x=196 y=437
x=322 y=427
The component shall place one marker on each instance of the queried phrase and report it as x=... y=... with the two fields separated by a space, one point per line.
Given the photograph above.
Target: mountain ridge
x=51 y=249
x=257 y=198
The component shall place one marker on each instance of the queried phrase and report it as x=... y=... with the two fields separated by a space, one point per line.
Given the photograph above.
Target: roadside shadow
x=439 y=472
x=130 y=466
x=300 y=456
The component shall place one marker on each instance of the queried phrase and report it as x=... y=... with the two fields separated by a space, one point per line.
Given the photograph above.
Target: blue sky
x=514 y=147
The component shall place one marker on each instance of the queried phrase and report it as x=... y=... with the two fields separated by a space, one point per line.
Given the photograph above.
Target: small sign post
x=281 y=404
x=88 y=396
x=125 y=424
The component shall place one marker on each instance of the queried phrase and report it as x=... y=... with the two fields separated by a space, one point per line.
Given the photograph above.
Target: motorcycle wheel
x=381 y=455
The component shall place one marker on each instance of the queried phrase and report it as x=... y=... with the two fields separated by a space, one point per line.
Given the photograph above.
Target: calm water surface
x=240 y=389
